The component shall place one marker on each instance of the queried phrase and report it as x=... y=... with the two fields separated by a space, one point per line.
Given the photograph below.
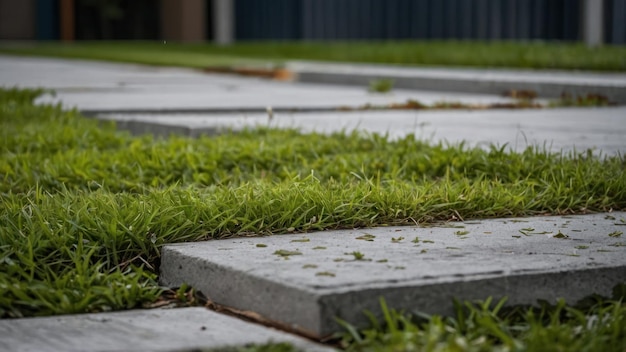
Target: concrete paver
x=601 y=129
x=184 y=329
x=493 y=81
x=309 y=279
x=97 y=86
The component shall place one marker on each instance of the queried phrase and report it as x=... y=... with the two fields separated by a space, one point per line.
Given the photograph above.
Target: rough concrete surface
x=184 y=329
x=546 y=83
x=416 y=268
x=601 y=129
x=98 y=86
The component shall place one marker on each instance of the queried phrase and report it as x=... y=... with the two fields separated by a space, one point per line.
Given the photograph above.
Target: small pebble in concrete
x=523 y=259
x=183 y=329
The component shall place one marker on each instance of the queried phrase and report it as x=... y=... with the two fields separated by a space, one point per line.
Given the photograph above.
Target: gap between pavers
x=181 y=329
x=307 y=280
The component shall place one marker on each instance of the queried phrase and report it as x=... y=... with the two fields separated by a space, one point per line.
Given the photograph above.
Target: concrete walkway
x=305 y=280
x=495 y=81
x=108 y=87
x=572 y=129
x=183 y=329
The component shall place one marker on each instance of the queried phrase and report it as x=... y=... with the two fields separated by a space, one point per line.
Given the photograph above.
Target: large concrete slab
x=107 y=87
x=309 y=279
x=493 y=81
x=185 y=329
x=601 y=129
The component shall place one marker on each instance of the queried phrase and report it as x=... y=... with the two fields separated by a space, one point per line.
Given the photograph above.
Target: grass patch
x=150 y=53
x=594 y=325
x=532 y=55
x=381 y=86
x=85 y=209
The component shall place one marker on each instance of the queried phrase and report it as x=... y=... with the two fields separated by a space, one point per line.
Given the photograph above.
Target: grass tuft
x=489 y=326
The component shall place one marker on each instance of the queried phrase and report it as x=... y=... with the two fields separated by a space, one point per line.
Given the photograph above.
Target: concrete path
x=600 y=129
x=108 y=87
x=494 y=81
x=306 y=280
x=183 y=329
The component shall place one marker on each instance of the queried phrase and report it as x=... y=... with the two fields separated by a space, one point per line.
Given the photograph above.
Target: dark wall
x=348 y=19
x=117 y=19
x=615 y=25
x=420 y=19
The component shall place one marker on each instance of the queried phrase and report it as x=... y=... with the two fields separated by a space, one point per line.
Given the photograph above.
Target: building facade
x=228 y=20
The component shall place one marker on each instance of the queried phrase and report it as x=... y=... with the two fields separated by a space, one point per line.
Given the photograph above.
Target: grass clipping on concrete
x=84 y=209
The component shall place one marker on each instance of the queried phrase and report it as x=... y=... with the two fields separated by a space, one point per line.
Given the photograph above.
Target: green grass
x=150 y=53
x=534 y=55
x=488 y=326
x=85 y=209
x=381 y=86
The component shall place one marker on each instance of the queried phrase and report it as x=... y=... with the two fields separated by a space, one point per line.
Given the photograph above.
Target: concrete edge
x=162 y=329
x=286 y=305
x=312 y=311
x=615 y=94
x=518 y=289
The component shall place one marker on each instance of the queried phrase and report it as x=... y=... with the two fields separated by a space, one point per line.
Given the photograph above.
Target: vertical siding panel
x=395 y=18
x=284 y=26
x=421 y=19
x=398 y=18
x=451 y=22
x=268 y=21
x=523 y=20
x=495 y=19
x=363 y=8
x=537 y=30
x=481 y=19
x=315 y=27
x=507 y=22
x=404 y=19
x=239 y=27
x=342 y=19
x=331 y=18
x=298 y=23
x=549 y=31
x=289 y=28
x=318 y=19
x=436 y=19
x=306 y=19
x=618 y=31
x=275 y=16
x=377 y=15
x=570 y=11
x=390 y=26
x=465 y=18
x=352 y=19
x=608 y=20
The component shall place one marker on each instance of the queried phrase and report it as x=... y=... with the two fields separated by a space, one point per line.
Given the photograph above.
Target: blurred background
x=225 y=21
